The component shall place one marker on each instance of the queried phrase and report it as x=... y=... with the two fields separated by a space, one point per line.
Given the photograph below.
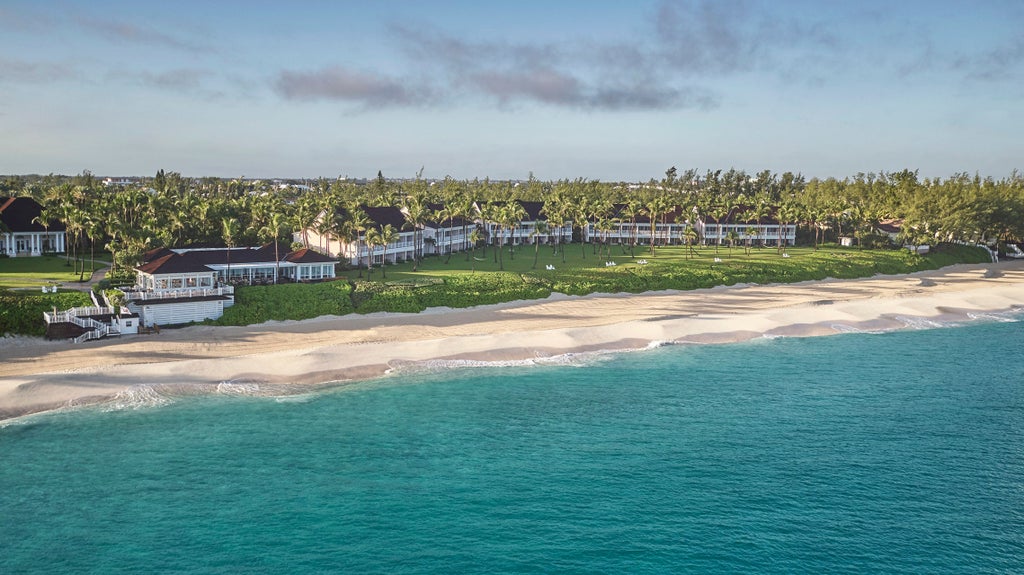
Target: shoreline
x=38 y=376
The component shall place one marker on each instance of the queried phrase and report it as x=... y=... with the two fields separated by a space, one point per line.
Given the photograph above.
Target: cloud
x=996 y=63
x=685 y=49
x=605 y=77
x=23 y=71
x=184 y=80
x=144 y=35
x=342 y=84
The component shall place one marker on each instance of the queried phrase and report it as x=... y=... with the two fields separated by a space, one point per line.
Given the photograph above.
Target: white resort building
x=22 y=231
x=175 y=286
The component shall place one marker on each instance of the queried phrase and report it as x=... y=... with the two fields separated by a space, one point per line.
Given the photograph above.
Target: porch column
x=60 y=242
x=9 y=244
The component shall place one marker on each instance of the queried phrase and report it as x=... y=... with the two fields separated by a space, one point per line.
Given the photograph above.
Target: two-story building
x=24 y=232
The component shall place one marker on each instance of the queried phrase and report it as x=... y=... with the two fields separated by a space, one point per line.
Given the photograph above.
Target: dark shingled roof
x=18 y=215
x=454 y=223
x=173 y=263
x=308 y=256
x=165 y=261
x=383 y=216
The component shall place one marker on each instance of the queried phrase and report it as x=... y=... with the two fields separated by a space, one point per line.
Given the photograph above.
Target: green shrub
x=21 y=313
x=257 y=304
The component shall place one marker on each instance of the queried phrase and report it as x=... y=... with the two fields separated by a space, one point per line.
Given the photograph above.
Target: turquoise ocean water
x=860 y=453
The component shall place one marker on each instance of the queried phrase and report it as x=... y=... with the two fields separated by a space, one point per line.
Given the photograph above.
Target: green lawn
x=579 y=262
x=34 y=272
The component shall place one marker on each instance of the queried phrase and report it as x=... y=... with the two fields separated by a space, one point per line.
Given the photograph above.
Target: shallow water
x=897 y=453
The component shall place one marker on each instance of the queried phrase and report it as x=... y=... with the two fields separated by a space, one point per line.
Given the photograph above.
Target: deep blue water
x=860 y=453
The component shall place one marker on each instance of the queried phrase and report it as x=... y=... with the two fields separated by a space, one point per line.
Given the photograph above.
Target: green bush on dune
x=22 y=312
x=257 y=304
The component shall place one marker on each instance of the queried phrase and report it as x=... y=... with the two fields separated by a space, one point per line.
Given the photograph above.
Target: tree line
x=170 y=210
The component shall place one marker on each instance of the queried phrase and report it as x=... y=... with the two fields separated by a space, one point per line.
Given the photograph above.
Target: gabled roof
x=19 y=215
x=445 y=223
x=165 y=261
x=308 y=256
x=173 y=263
x=889 y=226
x=533 y=210
x=382 y=216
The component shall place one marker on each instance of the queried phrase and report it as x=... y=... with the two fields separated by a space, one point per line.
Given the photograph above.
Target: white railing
x=95 y=329
x=97 y=333
x=179 y=293
x=69 y=316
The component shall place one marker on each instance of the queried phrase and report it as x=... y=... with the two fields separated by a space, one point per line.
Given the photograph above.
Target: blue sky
x=609 y=90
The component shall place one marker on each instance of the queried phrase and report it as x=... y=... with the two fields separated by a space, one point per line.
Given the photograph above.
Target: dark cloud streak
x=142 y=35
x=337 y=83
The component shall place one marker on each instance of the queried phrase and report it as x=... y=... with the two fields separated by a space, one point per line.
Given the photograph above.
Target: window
x=190 y=282
x=128 y=323
x=175 y=283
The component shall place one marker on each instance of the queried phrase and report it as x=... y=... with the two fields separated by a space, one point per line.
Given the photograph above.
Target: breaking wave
x=140 y=396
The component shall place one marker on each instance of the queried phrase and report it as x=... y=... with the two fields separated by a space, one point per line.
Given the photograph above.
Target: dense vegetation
x=417 y=291
x=21 y=312
x=257 y=304
x=171 y=210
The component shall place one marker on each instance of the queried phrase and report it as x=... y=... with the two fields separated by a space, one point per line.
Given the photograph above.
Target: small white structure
x=85 y=323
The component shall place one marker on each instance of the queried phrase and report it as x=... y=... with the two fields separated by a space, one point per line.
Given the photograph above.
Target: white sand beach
x=36 y=375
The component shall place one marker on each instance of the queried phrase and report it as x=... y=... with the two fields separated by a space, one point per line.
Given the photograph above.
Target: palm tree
x=759 y=212
x=732 y=236
x=513 y=213
x=416 y=218
x=465 y=209
x=631 y=210
x=540 y=228
x=474 y=237
x=229 y=230
x=387 y=234
x=372 y=239
x=718 y=212
x=751 y=233
x=272 y=230
x=785 y=214
x=690 y=236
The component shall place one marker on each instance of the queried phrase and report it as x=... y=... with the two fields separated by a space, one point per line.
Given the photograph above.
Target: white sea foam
x=238 y=388
x=844 y=328
x=659 y=343
x=912 y=322
x=136 y=397
x=1007 y=317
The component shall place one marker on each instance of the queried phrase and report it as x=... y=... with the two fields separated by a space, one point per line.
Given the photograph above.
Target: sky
x=610 y=90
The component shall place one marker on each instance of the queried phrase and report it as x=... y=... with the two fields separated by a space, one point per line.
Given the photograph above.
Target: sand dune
x=36 y=375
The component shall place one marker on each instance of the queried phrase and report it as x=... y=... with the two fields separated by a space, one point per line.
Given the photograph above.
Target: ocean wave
x=136 y=397
x=912 y=322
x=1007 y=317
x=233 y=387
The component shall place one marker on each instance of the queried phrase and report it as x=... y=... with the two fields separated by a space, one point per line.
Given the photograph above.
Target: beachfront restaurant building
x=23 y=232
x=176 y=286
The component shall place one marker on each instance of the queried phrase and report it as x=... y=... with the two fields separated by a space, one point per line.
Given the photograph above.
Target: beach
x=36 y=375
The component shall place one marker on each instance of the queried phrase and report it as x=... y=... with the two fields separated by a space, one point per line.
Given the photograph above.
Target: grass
x=801 y=260
x=34 y=272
